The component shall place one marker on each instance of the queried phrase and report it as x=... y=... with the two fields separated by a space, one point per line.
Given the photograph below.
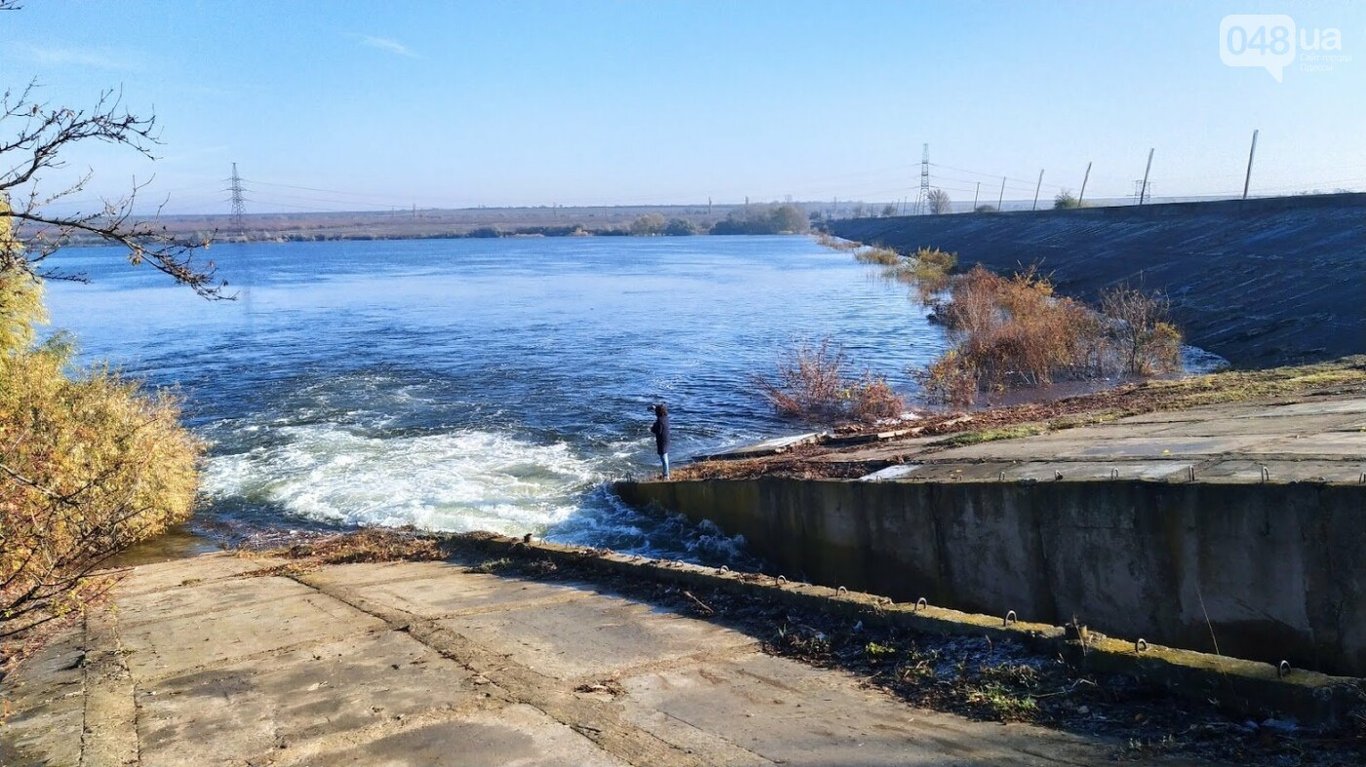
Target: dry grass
x=878 y=256
x=932 y=270
x=1343 y=376
x=836 y=243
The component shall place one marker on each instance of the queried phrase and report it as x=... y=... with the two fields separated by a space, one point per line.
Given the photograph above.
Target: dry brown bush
x=1013 y=331
x=811 y=384
x=810 y=380
x=872 y=399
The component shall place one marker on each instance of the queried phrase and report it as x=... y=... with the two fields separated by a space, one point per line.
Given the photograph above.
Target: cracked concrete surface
x=208 y=661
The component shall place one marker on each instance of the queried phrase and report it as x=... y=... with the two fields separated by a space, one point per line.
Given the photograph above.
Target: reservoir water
x=479 y=384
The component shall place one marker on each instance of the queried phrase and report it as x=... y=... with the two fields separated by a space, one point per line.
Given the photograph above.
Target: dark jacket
x=660 y=428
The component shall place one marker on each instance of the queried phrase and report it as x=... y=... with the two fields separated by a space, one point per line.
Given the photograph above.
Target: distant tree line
x=764 y=219
x=752 y=219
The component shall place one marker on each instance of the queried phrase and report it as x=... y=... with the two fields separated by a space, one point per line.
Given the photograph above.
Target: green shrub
x=1066 y=201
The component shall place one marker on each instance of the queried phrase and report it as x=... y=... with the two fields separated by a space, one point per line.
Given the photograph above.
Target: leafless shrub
x=939 y=202
x=1140 y=328
x=811 y=384
x=872 y=399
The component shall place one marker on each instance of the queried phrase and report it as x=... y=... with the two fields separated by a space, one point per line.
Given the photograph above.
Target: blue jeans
x=664 y=461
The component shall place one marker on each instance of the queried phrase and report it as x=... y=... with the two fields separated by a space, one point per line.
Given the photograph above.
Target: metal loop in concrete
x=1057 y=474
x=1140 y=645
x=1266 y=474
x=1009 y=619
x=1283 y=670
x=921 y=604
x=782 y=579
x=841 y=591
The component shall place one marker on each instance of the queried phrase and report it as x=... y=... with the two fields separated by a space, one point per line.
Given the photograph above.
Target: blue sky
x=370 y=105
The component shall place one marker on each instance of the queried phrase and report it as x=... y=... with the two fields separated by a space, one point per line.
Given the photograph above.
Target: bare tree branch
x=33 y=138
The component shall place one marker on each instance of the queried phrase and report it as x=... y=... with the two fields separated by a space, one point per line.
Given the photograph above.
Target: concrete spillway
x=1258 y=282
x=1234 y=529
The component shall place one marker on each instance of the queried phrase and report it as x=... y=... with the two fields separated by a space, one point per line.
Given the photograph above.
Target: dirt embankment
x=1259 y=282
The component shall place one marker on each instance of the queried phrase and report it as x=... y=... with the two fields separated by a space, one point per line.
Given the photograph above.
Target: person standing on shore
x=660 y=428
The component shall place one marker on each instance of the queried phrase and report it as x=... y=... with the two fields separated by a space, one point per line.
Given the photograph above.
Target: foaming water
x=482 y=384
x=462 y=480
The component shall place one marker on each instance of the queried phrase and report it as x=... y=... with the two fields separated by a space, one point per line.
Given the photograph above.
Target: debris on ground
x=1344 y=376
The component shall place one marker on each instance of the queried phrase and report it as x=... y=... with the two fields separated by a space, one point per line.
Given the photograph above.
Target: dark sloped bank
x=1258 y=282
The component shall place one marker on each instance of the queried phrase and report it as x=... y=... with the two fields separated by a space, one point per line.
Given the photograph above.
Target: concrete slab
x=257 y=672
x=447 y=591
x=195 y=596
x=1200 y=414
x=1321 y=407
x=1352 y=444
x=174 y=645
x=516 y=735
x=1250 y=471
x=45 y=695
x=162 y=576
x=1314 y=424
x=267 y=707
x=778 y=711
x=1116 y=446
x=592 y=640
x=1104 y=471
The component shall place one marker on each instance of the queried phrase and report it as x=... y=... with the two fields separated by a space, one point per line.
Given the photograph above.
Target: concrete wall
x=1259 y=282
x=1275 y=571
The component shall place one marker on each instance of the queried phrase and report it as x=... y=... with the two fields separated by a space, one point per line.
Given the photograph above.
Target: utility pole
x=239 y=200
x=708 y=206
x=1251 y=153
x=1143 y=190
x=1084 y=179
x=1002 y=199
x=924 y=178
x=1037 y=187
x=975 y=195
